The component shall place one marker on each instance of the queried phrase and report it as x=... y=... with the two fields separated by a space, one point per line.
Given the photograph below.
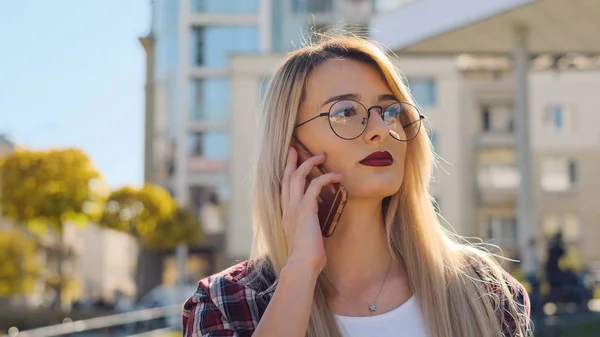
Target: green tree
x=19 y=268
x=45 y=190
x=151 y=215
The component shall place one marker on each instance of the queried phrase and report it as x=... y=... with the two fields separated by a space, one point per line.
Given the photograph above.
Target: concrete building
x=470 y=116
x=207 y=53
x=190 y=93
x=6 y=148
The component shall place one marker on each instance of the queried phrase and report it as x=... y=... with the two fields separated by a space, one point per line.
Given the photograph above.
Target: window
x=502 y=230
x=212 y=45
x=385 y=6
x=312 y=6
x=210 y=204
x=497 y=117
x=486 y=118
x=501 y=176
x=209 y=100
x=558 y=174
x=567 y=224
x=225 y=6
x=559 y=118
x=423 y=90
x=209 y=144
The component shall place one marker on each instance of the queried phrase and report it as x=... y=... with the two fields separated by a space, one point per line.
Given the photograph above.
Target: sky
x=72 y=74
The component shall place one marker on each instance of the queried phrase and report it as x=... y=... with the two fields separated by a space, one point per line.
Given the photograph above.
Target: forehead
x=342 y=76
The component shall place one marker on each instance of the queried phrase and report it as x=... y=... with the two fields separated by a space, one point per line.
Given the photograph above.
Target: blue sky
x=72 y=74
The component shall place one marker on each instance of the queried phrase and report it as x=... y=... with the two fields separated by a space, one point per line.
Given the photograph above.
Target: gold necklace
x=372 y=306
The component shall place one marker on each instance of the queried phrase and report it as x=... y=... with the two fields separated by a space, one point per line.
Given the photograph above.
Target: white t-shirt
x=406 y=320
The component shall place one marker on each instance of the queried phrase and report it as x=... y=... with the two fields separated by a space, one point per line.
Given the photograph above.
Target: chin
x=374 y=188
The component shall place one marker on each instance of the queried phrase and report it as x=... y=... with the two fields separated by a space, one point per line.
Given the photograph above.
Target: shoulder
x=229 y=301
x=509 y=297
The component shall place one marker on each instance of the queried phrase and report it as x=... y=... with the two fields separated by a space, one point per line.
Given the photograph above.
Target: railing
x=103 y=322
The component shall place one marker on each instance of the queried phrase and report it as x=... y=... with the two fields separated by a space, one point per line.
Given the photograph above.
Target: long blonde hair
x=446 y=276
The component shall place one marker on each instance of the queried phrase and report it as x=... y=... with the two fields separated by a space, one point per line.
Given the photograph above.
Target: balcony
x=496 y=196
x=495 y=139
x=204 y=171
x=497 y=184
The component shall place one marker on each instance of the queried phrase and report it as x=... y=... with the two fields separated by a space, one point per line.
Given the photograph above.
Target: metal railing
x=102 y=322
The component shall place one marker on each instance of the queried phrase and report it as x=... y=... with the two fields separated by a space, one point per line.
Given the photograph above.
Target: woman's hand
x=300 y=212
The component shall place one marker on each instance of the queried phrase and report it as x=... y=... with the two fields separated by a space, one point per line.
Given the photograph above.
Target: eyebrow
x=356 y=97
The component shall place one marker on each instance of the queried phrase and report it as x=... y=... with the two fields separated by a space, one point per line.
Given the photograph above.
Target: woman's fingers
x=317 y=184
x=298 y=178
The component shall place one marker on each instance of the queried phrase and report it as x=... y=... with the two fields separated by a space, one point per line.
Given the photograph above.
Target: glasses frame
x=380 y=113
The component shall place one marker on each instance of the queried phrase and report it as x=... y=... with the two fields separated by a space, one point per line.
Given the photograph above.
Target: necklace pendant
x=373 y=307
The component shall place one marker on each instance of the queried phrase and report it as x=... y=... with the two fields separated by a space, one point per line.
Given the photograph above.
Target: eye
x=345 y=112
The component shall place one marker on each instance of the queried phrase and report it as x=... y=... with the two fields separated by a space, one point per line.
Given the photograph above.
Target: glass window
x=559 y=118
x=312 y=6
x=209 y=100
x=567 y=224
x=558 y=174
x=423 y=90
x=212 y=45
x=209 y=144
x=501 y=176
x=384 y=6
x=225 y=6
x=497 y=117
x=502 y=230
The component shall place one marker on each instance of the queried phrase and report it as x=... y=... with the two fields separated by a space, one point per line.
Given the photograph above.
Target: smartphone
x=333 y=196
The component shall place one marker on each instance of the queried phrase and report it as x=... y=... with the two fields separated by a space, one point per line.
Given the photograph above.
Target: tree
x=45 y=190
x=19 y=268
x=151 y=215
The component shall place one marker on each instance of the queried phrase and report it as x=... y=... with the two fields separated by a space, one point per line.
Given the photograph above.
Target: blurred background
x=127 y=129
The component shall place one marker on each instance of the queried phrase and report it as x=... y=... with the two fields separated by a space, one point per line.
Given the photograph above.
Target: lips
x=379 y=158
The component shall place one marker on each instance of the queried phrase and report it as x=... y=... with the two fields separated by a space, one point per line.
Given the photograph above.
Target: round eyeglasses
x=348 y=119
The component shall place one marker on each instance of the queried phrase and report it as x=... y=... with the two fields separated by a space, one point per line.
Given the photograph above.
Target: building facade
x=190 y=94
x=212 y=61
x=470 y=113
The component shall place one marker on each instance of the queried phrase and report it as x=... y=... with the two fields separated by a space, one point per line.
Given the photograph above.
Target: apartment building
x=470 y=113
x=190 y=93
x=6 y=148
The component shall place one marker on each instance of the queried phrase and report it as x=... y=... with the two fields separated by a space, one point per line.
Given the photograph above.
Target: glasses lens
x=348 y=119
x=403 y=119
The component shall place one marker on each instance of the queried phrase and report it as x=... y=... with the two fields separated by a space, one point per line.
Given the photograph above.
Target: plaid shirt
x=227 y=305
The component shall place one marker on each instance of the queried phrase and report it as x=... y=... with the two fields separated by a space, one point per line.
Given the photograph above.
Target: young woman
x=389 y=269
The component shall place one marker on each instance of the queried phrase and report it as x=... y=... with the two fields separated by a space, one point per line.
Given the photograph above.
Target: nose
x=377 y=129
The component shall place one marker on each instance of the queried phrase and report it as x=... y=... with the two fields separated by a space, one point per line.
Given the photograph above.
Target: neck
x=357 y=253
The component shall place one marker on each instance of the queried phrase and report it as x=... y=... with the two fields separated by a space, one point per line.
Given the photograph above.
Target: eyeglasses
x=348 y=119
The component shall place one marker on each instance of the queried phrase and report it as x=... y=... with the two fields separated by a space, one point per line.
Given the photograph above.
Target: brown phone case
x=333 y=196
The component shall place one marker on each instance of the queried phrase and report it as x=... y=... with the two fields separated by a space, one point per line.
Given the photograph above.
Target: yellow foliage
x=49 y=187
x=18 y=265
x=181 y=227
x=151 y=215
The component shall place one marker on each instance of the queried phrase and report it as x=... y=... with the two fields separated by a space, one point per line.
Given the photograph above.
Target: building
x=6 y=148
x=190 y=94
x=207 y=53
x=469 y=107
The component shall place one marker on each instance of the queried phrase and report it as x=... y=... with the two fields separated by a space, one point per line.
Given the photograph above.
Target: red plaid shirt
x=227 y=304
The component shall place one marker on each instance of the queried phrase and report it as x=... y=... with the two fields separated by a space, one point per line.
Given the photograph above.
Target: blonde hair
x=451 y=281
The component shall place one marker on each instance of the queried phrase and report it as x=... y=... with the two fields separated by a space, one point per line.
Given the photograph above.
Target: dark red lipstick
x=379 y=158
